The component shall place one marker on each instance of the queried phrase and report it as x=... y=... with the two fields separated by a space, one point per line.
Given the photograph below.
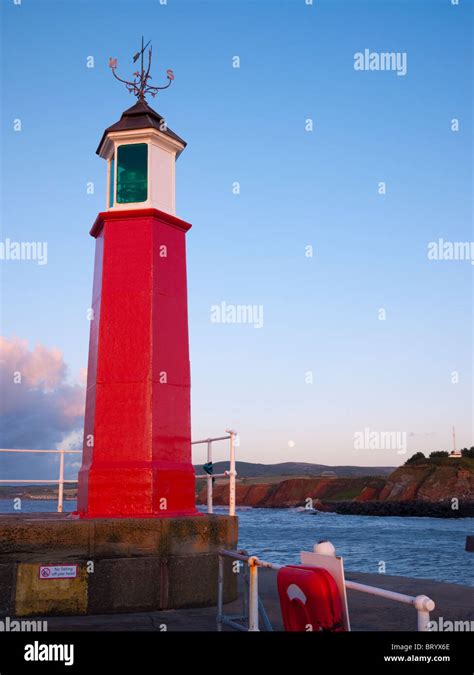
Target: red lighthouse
x=137 y=445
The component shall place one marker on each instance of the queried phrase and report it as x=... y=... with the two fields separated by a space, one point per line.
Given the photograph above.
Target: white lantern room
x=141 y=153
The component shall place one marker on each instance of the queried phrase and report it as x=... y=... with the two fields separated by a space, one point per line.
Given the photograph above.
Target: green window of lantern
x=132 y=173
x=111 y=182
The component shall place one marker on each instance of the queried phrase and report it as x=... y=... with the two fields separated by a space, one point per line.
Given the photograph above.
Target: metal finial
x=139 y=85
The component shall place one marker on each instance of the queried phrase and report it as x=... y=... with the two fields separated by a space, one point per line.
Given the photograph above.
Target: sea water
x=426 y=548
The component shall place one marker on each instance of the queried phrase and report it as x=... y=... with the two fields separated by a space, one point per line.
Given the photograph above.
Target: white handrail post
x=61 y=482
x=423 y=621
x=232 y=474
x=424 y=606
x=253 y=594
x=210 y=508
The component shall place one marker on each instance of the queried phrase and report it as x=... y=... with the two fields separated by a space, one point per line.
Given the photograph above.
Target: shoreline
x=414 y=509
x=407 y=509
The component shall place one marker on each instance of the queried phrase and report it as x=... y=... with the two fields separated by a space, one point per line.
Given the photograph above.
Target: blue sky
x=298 y=188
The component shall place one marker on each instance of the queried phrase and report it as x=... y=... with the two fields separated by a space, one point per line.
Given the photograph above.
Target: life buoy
x=309 y=599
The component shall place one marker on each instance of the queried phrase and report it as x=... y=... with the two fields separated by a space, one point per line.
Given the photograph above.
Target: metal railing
x=253 y=608
x=231 y=474
x=60 y=482
x=422 y=603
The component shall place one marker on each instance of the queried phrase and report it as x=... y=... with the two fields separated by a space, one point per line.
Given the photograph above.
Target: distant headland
x=438 y=485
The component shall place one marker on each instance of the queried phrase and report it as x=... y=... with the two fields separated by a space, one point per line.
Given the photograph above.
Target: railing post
x=423 y=621
x=232 y=474
x=210 y=508
x=424 y=606
x=253 y=595
x=61 y=482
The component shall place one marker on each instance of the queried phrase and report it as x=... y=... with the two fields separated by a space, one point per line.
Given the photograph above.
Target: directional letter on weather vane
x=139 y=86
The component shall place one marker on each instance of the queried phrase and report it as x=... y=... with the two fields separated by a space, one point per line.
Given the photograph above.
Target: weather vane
x=139 y=85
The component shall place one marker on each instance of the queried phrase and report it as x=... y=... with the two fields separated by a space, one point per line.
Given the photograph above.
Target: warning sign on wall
x=58 y=571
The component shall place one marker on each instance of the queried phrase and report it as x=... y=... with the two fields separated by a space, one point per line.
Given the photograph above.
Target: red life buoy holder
x=309 y=599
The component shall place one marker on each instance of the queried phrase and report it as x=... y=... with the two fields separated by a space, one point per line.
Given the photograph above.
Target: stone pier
x=123 y=564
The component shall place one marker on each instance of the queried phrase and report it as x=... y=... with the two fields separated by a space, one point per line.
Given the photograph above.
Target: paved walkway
x=367 y=613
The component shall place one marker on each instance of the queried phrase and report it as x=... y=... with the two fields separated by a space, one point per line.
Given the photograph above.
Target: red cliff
x=428 y=482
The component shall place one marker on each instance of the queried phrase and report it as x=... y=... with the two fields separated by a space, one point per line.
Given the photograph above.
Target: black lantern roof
x=140 y=116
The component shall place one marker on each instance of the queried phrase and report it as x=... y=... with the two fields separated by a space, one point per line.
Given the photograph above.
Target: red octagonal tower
x=137 y=445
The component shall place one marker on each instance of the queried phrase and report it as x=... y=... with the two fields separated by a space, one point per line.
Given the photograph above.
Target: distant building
x=454 y=452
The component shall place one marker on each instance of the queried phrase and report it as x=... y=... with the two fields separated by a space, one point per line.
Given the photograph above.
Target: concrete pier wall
x=123 y=564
